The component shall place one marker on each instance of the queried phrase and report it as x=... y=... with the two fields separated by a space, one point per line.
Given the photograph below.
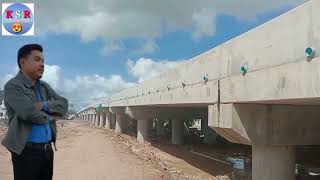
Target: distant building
x=3 y=112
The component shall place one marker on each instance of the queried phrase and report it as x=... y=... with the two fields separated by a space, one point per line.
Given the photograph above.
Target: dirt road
x=86 y=152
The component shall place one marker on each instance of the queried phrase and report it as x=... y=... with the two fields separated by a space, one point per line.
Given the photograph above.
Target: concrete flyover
x=261 y=89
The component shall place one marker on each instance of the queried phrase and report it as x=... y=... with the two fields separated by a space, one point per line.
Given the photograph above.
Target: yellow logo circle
x=16 y=27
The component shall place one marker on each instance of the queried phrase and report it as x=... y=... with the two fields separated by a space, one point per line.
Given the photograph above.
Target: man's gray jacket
x=19 y=99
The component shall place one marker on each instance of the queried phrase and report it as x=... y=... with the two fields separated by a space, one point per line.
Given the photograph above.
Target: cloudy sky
x=95 y=48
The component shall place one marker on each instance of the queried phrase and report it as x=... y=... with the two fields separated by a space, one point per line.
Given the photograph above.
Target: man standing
x=32 y=106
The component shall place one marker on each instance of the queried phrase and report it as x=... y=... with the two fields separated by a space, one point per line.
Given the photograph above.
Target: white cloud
x=80 y=87
x=91 y=87
x=114 y=20
x=146 y=47
x=52 y=75
x=111 y=47
x=144 y=69
x=87 y=87
x=204 y=23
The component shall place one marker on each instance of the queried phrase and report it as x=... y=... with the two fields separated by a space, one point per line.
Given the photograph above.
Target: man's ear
x=22 y=61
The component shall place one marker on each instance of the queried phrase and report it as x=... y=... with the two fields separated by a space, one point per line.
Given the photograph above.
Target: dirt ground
x=87 y=152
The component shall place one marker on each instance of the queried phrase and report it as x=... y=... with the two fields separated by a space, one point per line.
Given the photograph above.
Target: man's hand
x=39 y=106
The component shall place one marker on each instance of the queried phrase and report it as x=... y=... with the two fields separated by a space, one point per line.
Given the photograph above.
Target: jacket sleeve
x=57 y=105
x=23 y=105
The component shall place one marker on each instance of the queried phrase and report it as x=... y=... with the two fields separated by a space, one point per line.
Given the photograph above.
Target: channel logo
x=17 y=19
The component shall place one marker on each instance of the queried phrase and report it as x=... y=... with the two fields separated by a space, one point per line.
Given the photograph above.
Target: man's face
x=33 y=65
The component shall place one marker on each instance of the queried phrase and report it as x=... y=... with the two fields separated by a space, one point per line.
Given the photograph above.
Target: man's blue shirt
x=40 y=133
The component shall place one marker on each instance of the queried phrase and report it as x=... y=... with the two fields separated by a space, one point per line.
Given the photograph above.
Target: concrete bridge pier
x=120 y=115
x=160 y=126
x=97 y=121
x=273 y=162
x=113 y=121
x=91 y=118
x=272 y=130
x=177 y=131
x=108 y=119
x=102 y=119
x=119 y=123
x=143 y=129
x=210 y=136
x=144 y=117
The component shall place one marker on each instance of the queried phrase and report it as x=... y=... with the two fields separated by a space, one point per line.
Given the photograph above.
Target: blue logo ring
x=18 y=19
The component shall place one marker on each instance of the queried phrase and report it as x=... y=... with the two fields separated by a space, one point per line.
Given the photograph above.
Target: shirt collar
x=26 y=81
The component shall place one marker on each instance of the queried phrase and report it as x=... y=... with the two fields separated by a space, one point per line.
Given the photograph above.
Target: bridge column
x=120 y=115
x=272 y=130
x=210 y=136
x=97 y=119
x=94 y=119
x=119 y=123
x=108 y=120
x=276 y=163
x=102 y=119
x=177 y=131
x=160 y=126
x=113 y=121
x=90 y=118
x=144 y=118
x=144 y=128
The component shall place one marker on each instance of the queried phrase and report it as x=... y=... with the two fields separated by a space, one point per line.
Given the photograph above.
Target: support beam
x=119 y=123
x=108 y=124
x=91 y=118
x=177 y=131
x=102 y=119
x=94 y=119
x=143 y=131
x=144 y=118
x=113 y=121
x=274 y=125
x=97 y=122
x=160 y=126
x=120 y=115
x=276 y=163
x=210 y=136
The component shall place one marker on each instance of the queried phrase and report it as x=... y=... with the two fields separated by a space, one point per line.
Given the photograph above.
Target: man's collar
x=26 y=81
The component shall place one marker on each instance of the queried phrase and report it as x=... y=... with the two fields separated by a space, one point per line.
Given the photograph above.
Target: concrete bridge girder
x=274 y=125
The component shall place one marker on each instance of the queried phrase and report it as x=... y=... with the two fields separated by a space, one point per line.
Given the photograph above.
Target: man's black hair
x=25 y=51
